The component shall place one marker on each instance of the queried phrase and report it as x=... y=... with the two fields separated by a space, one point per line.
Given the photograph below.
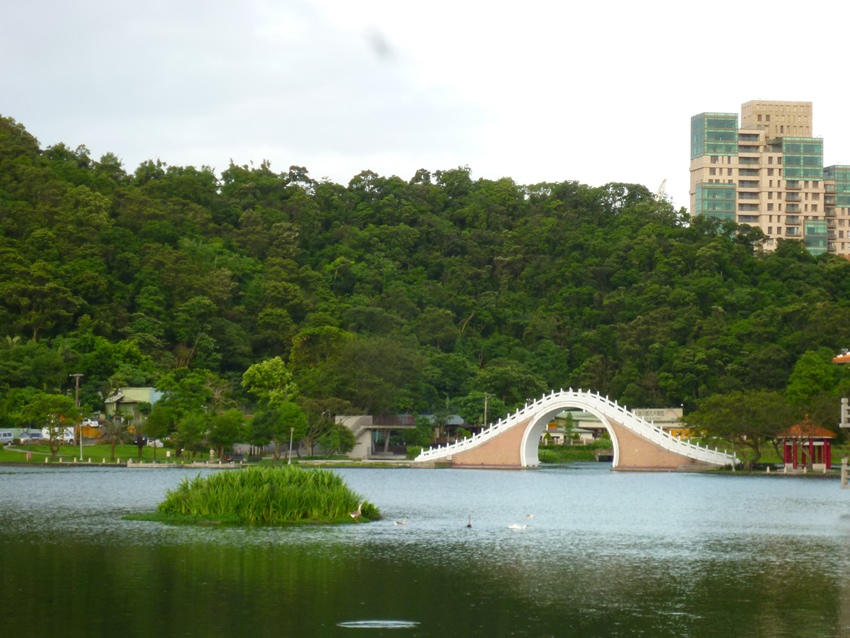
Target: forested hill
x=387 y=294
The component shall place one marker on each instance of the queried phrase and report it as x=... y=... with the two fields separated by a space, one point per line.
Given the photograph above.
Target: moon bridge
x=638 y=444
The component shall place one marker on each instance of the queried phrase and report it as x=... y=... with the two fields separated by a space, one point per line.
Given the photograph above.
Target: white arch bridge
x=638 y=444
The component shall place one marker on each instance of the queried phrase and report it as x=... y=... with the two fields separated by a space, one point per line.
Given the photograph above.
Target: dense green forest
x=387 y=295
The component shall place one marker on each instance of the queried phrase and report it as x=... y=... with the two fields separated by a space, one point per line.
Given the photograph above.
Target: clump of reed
x=265 y=496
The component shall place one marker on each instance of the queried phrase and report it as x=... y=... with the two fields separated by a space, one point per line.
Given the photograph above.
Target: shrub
x=265 y=496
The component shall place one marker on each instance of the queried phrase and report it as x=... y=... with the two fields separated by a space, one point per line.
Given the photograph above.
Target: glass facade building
x=816 y=237
x=765 y=169
x=840 y=178
x=803 y=158
x=716 y=200
x=714 y=134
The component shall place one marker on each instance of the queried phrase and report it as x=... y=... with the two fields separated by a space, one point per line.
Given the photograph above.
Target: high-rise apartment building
x=768 y=172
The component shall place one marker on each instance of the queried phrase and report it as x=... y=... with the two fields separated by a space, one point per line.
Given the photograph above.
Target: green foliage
x=748 y=419
x=191 y=430
x=226 y=429
x=814 y=373
x=253 y=289
x=54 y=412
x=271 y=382
x=338 y=440
x=114 y=432
x=266 y=496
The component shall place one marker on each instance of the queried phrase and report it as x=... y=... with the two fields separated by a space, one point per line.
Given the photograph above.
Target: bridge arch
x=536 y=428
x=514 y=441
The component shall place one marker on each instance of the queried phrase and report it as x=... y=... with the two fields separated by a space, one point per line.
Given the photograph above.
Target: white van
x=6 y=437
x=67 y=435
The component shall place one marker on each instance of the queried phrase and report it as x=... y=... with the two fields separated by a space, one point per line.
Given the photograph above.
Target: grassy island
x=263 y=496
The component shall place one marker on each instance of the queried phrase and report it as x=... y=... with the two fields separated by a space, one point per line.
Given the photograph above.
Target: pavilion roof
x=806 y=430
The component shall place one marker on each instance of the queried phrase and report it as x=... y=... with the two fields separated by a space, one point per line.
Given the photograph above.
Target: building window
x=814 y=208
x=770 y=171
x=770 y=207
x=714 y=159
x=770 y=194
x=816 y=197
x=770 y=159
x=770 y=230
x=728 y=171
x=712 y=171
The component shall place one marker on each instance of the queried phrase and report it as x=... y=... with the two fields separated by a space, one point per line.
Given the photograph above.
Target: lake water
x=605 y=554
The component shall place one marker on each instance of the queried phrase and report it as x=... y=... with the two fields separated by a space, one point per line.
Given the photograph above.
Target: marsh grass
x=263 y=496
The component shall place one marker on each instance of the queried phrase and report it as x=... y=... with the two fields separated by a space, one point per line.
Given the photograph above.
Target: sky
x=538 y=91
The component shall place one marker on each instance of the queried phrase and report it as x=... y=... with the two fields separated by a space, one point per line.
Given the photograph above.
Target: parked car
x=6 y=437
x=67 y=435
x=91 y=423
x=154 y=443
x=32 y=437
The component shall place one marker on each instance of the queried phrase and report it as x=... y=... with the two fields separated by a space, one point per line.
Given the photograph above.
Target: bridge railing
x=593 y=400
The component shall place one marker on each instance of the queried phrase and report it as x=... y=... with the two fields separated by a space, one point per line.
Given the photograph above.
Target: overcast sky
x=535 y=90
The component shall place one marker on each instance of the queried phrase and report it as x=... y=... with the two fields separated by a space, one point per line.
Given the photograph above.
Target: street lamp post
x=486 y=397
x=77 y=376
x=289 y=457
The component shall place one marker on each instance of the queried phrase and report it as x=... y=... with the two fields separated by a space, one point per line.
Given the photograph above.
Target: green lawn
x=97 y=453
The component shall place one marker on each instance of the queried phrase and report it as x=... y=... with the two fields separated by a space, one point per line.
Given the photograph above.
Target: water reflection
x=606 y=554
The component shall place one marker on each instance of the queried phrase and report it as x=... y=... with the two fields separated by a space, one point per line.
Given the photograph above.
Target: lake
x=604 y=554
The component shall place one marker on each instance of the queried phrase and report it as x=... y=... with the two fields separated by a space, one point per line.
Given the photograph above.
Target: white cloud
x=537 y=91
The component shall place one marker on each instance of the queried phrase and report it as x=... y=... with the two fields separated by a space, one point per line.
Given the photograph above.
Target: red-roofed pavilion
x=807 y=443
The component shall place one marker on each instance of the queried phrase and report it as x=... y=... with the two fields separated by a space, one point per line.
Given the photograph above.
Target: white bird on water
x=357 y=512
x=401 y=522
x=517 y=526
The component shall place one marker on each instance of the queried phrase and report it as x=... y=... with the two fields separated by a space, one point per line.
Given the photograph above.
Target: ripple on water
x=378 y=624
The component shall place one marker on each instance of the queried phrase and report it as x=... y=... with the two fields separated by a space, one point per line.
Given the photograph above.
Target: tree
x=114 y=431
x=160 y=423
x=814 y=373
x=292 y=423
x=53 y=412
x=374 y=372
x=191 y=430
x=259 y=432
x=271 y=382
x=747 y=419
x=225 y=430
x=338 y=440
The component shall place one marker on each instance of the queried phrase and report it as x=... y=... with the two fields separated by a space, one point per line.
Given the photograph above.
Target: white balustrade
x=596 y=402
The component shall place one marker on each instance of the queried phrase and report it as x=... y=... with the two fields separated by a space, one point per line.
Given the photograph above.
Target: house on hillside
x=125 y=402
